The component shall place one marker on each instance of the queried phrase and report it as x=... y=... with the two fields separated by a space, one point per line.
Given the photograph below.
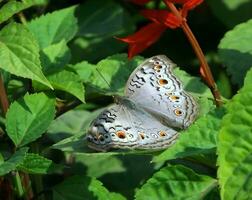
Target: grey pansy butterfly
x=155 y=107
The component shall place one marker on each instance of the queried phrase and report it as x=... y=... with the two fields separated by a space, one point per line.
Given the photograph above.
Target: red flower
x=164 y=17
x=143 y=38
x=161 y=20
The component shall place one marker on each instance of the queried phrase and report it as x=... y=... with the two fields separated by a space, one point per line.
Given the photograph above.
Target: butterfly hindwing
x=127 y=126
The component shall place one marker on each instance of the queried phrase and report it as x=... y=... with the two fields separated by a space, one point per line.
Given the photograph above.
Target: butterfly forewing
x=154 y=86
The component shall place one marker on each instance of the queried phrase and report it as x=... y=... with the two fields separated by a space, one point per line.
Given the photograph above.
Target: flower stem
x=208 y=77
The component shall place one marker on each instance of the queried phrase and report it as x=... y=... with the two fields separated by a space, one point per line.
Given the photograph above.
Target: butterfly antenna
x=104 y=79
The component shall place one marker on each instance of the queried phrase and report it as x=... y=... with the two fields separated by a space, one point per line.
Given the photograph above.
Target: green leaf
x=235 y=51
x=66 y=81
x=69 y=82
x=13 y=7
x=84 y=70
x=97 y=29
x=55 y=57
x=235 y=145
x=231 y=12
x=73 y=122
x=97 y=165
x=115 y=70
x=60 y=24
x=192 y=84
x=200 y=137
x=28 y=118
x=15 y=159
x=19 y=53
x=176 y=182
x=35 y=164
x=88 y=188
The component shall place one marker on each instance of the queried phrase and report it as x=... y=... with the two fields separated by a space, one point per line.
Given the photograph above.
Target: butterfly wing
x=126 y=126
x=155 y=88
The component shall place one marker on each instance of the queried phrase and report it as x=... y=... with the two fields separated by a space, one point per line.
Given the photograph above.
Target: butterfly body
x=154 y=108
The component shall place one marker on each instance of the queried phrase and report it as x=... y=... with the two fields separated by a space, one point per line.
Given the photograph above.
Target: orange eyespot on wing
x=178 y=112
x=121 y=134
x=157 y=68
x=162 y=133
x=142 y=135
x=173 y=97
x=162 y=82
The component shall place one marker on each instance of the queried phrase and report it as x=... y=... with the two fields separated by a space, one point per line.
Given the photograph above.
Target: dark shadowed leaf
x=97 y=166
x=235 y=51
x=82 y=187
x=176 y=182
x=232 y=12
x=15 y=159
x=97 y=29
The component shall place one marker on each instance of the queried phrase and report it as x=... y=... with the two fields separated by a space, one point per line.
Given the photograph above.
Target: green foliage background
x=49 y=53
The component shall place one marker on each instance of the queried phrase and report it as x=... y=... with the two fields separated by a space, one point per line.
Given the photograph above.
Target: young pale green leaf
x=235 y=51
x=98 y=28
x=84 y=70
x=88 y=188
x=176 y=182
x=235 y=145
x=55 y=57
x=12 y=7
x=60 y=25
x=35 y=164
x=19 y=53
x=29 y=117
x=15 y=159
x=231 y=12
x=200 y=137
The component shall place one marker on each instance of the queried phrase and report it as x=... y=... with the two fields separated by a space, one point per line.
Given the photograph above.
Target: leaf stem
x=3 y=97
x=207 y=74
x=22 y=18
x=18 y=184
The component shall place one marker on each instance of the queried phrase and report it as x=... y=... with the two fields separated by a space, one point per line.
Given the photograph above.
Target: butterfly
x=153 y=110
